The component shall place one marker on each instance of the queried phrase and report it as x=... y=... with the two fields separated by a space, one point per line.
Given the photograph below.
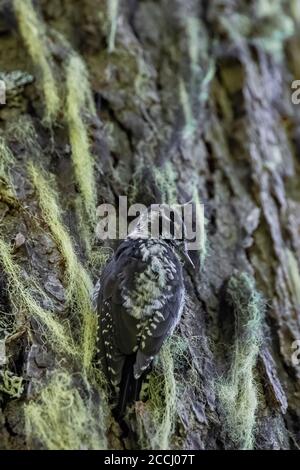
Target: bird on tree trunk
x=140 y=301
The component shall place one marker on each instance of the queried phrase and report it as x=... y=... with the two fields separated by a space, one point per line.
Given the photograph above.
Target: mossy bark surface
x=157 y=100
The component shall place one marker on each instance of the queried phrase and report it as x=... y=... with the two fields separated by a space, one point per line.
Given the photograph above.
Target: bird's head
x=164 y=222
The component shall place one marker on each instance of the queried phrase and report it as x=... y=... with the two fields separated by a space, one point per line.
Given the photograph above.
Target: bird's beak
x=188 y=259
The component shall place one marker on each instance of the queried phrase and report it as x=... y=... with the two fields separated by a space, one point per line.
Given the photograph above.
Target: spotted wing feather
x=125 y=326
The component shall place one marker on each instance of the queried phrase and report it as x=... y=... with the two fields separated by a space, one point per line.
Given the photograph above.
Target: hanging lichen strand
x=22 y=292
x=237 y=390
x=50 y=420
x=66 y=415
x=78 y=283
x=33 y=32
x=79 y=99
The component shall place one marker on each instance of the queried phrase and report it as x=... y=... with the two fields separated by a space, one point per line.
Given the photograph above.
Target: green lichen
x=194 y=89
x=7 y=191
x=165 y=178
x=6 y=159
x=293 y=276
x=80 y=99
x=67 y=417
x=156 y=420
x=112 y=9
x=11 y=384
x=267 y=26
x=33 y=32
x=166 y=416
x=186 y=104
x=156 y=417
x=295 y=10
x=22 y=290
x=71 y=412
x=22 y=130
x=78 y=282
x=192 y=25
x=99 y=257
x=237 y=390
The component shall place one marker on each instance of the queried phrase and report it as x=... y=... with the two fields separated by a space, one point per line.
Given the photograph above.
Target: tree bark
x=187 y=100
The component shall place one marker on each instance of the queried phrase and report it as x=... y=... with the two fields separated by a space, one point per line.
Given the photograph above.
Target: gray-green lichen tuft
x=237 y=390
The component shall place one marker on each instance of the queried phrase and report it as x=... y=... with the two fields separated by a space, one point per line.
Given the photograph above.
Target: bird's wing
x=156 y=332
x=138 y=307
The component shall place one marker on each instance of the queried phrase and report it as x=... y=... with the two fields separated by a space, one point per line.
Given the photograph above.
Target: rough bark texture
x=201 y=91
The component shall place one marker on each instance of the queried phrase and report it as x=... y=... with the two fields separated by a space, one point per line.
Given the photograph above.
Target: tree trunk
x=156 y=100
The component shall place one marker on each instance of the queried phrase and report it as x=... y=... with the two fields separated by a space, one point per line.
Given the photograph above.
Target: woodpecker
x=140 y=300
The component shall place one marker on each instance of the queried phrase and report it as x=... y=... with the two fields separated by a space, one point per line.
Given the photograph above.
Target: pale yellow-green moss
x=185 y=101
x=20 y=289
x=157 y=420
x=78 y=283
x=33 y=32
x=22 y=130
x=192 y=26
x=237 y=390
x=80 y=100
x=164 y=411
x=7 y=190
x=67 y=417
x=112 y=10
x=202 y=70
x=293 y=276
x=11 y=384
x=99 y=257
x=295 y=10
x=165 y=178
x=6 y=159
x=71 y=412
x=84 y=228
x=269 y=29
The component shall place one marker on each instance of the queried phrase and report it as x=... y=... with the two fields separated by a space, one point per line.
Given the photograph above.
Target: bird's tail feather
x=129 y=388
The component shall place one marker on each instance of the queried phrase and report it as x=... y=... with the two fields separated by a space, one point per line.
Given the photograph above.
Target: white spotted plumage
x=140 y=302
